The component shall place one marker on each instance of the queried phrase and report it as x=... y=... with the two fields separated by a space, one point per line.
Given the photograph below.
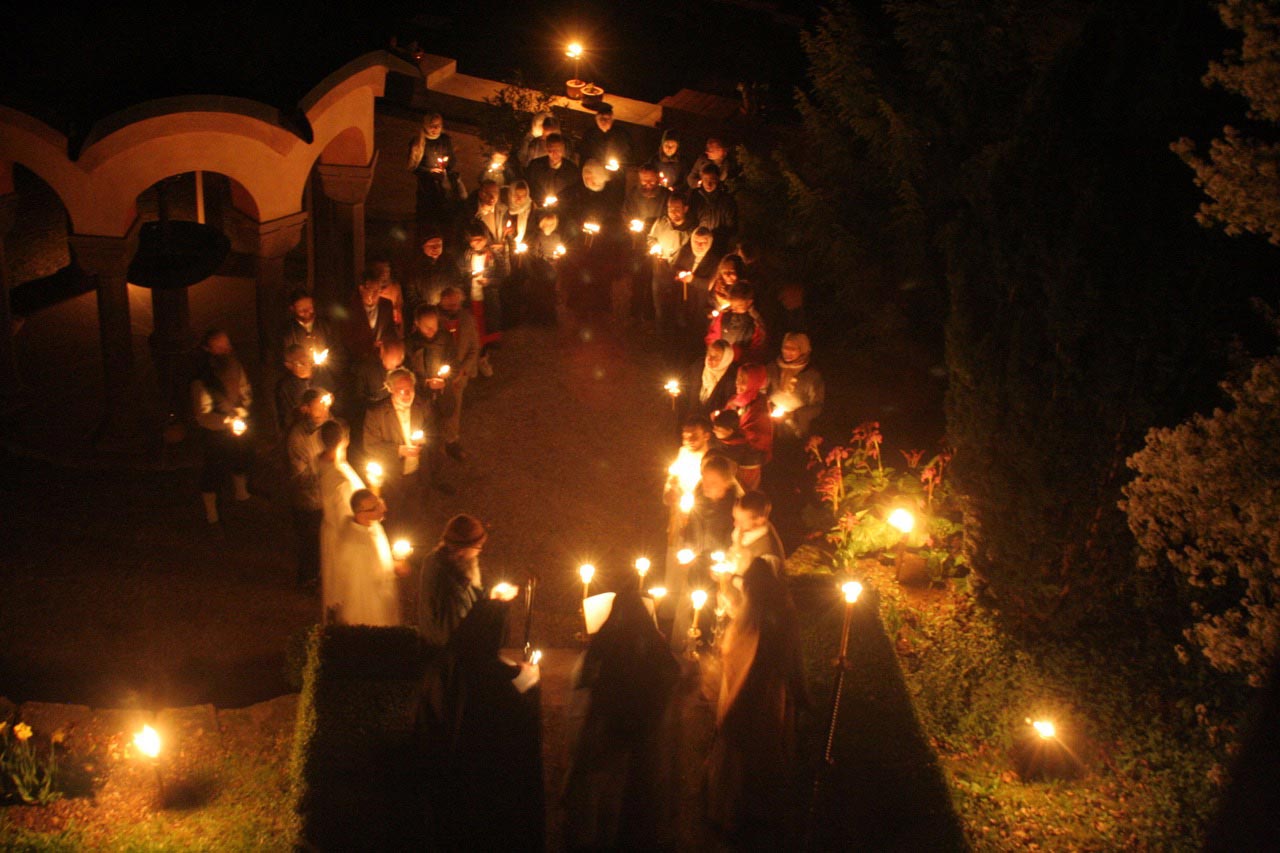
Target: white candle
x=401 y=549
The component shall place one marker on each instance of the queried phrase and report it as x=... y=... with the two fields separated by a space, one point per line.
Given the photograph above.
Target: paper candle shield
x=596 y=609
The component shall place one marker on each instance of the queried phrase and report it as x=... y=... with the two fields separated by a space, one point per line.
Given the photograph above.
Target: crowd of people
x=368 y=408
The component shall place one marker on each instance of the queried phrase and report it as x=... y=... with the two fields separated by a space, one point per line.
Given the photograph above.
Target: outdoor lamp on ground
x=851 y=591
x=903 y=520
x=147 y=740
x=1041 y=753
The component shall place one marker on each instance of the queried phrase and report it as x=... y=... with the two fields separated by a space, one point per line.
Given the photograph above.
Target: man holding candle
x=709 y=528
x=667 y=236
x=553 y=173
x=448 y=579
x=364 y=566
x=459 y=323
x=644 y=205
x=395 y=433
x=431 y=272
x=297 y=380
x=315 y=335
x=606 y=141
x=220 y=400
x=370 y=316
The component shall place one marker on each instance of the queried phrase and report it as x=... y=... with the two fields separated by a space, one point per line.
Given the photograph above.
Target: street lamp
x=574 y=52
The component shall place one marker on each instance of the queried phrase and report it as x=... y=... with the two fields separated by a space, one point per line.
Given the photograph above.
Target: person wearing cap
x=449 y=581
x=605 y=141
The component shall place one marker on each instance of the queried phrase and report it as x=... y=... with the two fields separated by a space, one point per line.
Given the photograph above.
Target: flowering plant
x=26 y=775
x=858 y=492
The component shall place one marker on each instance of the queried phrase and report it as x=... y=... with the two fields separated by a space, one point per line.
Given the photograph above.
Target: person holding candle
x=365 y=570
x=749 y=771
x=669 y=161
x=479 y=727
x=740 y=326
x=448 y=579
x=728 y=273
x=299 y=378
x=460 y=324
x=486 y=270
x=220 y=400
x=432 y=161
x=430 y=273
x=303 y=449
x=315 y=335
x=753 y=536
x=694 y=267
x=731 y=442
x=620 y=789
x=338 y=482
x=795 y=388
x=553 y=173
x=534 y=144
x=666 y=238
x=752 y=407
x=499 y=167
x=708 y=528
x=395 y=433
x=370 y=317
x=715 y=154
x=520 y=227
x=645 y=204
x=595 y=204
x=606 y=141
x=709 y=382
x=368 y=386
x=714 y=206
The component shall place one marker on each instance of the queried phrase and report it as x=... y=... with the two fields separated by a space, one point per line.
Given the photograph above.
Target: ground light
x=1042 y=753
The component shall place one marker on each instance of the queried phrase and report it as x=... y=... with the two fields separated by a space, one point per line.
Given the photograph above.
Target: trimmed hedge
x=355 y=780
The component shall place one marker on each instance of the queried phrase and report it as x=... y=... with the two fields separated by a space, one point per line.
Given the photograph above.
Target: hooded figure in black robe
x=622 y=783
x=482 y=741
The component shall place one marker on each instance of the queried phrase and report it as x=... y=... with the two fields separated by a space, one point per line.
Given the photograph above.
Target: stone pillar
x=346 y=188
x=107 y=260
x=171 y=345
x=269 y=242
x=10 y=382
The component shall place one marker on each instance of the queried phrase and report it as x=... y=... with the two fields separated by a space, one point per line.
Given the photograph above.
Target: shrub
x=353 y=769
x=1203 y=509
x=27 y=774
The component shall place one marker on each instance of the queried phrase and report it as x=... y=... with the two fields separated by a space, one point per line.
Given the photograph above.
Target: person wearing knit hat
x=449 y=581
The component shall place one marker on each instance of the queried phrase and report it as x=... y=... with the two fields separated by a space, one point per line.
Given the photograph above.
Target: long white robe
x=365 y=576
x=338 y=482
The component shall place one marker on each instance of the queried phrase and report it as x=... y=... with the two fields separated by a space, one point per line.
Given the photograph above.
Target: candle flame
x=612 y=165
x=521 y=247
x=536 y=657
x=549 y=201
x=401 y=549
x=586 y=571
x=1045 y=729
x=573 y=51
x=657 y=593
x=699 y=597
x=637 y=225
x=147 y=741
x=672 y=387
x=238 y=426
x=717 y=556
x=851 y=591
x=655 y=250
x=320 y=357
x=591 y=227
x=374 y=470
x=903 y=520
x=722 y=567
x=560 y=250
x=327 y=399
x=778 y=413
x=504 y=591
x=643 y=565
x=686 y=502
x=685 y=556
x=443 y=371
x=418 y=436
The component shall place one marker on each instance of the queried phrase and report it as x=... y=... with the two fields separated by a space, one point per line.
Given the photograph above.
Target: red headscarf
x=757 y=377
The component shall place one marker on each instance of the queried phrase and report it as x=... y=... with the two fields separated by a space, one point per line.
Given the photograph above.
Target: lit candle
x=401 y=549
x=443 y=371
x=238 y=426
x=699 y=597
x=655 y=250
x=504 y=591
x=672 y=387
x=373 y=475
x=549 y=201
x=319 y=358
x=685 y=556
x=591 y=227
x=686 y=503
x=778 y=413
x=327 y=399
x=612 y=165
x=637 y=226
x=521 y=247
x=657 y=593
x=586 y=571
x=851 y=591
x=903 y=520
x=477 y=264
x=418 y=437
x=686 y=276
x=535 y=657
x=642 y=568
x=717 y=556
x=560 y=250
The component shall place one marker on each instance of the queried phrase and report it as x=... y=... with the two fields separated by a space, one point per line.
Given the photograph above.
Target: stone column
x=10 y=382
x=346 y=187
x=107 y=260
x=269 y=242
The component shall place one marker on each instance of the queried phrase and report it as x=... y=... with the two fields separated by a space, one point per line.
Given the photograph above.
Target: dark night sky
x=71 y=68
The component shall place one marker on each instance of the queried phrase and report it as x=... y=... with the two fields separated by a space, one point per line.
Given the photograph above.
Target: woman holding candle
x=752 y=407
x=796 y=389
x=749 y=782
x=620 y=789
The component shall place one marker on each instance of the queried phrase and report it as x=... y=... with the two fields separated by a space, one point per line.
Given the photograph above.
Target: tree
x=1205 y=513
x=1241 y=175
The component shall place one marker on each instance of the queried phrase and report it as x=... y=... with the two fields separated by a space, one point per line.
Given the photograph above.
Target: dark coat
x=361 y=339
x=383 y=437
x=544 y=180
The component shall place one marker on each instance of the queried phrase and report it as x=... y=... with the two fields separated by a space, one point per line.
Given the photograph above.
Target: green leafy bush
x=1204 y=511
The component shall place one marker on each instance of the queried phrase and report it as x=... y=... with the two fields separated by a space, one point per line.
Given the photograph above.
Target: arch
x=38 y=147
x=349 y=148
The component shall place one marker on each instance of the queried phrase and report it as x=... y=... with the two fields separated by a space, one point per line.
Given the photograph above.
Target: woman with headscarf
x=728 y=272
x=752 y=407
x=708 y=383
x=480 y=728
x=796 y=389
x=621 y=785
x=749 y=780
